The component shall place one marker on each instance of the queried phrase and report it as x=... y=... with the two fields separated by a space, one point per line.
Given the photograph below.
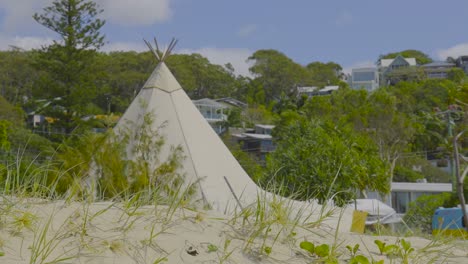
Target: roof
x=368 y=69
x=307 y=89
x=388 y=62
x=329 y=88
x=437 y=64
x=378 y=212
x=208 y=102
x=421 y=187
x=232 y=101
x=252 y=135
x=265 y=126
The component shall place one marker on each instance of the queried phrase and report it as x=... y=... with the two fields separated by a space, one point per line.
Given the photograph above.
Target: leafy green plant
x=380 y=245
x=353 y=250
x=405 y=250
x=401 y=249
x=23 y=220
x=420 y=211
x=308 y=246
x=212 y=248
x=323 y=251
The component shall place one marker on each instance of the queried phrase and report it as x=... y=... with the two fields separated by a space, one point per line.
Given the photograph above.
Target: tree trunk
x=461 y=196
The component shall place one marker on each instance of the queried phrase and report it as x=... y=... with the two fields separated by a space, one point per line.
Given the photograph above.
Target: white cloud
x=247 y=30
x=18 y=13
x=344 y=18
x=26 y=43
x=236 y=56
x=136 y=12
x=455 y=51
x=360 y=64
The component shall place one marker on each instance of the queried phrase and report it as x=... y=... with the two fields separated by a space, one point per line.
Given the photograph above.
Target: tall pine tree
x=68 y=62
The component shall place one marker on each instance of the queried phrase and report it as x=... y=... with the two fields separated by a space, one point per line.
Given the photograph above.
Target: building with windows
x=438 y=69
x=214 y=112
x=403 y=193
x=462 y=62
x=257 y=141
x=315 y=91
x=364 y=78
x=387 y=66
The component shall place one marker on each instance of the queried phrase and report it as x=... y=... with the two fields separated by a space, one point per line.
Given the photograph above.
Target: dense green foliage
x=421 y=210
x=322 y=160
x=421 y=58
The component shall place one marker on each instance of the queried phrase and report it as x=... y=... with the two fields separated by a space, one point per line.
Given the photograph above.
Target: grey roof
x=252 y=135
x=421 y=187
x=329 y=88
x=437 y=64
x=265 y=126
x=307 y=89
x=232 y=101
x=208 y=102
x=365 y=69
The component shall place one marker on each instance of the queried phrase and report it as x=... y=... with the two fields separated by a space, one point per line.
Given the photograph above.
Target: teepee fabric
x=207 y=160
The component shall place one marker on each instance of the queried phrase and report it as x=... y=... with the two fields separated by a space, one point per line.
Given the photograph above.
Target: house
x=35 y=120
x=257 y=141
x=214 y=112
x=402 y=193
x=387 y=66
x=315 y=91
x=306 y=90
x=437 y=69
x=364 y=78
x=462 y=62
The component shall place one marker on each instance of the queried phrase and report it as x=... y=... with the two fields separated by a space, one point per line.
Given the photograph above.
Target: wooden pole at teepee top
x=166 y=53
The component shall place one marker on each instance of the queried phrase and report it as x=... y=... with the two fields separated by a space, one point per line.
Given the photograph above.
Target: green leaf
x=308 y=246
x=359 y=259
x=356 y=248
x=2 y=253
x=322 y=250
x=406 y=245
x=380 y=245
x=390 y=249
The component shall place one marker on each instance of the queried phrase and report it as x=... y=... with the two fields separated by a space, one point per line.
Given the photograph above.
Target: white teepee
x=207 y=160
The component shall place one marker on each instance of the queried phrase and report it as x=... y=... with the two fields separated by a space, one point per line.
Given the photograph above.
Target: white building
x=364 y=78
x=402 y=193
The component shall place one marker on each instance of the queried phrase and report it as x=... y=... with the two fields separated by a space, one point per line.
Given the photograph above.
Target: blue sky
x=350 y=32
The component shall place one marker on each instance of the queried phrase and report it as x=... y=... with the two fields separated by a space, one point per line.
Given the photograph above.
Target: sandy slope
x=119 y=233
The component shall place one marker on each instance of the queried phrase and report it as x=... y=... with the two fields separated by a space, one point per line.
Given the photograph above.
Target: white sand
x=111 y=233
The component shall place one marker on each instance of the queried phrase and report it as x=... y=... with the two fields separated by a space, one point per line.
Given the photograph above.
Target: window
x=363 y=76
x=400 y=201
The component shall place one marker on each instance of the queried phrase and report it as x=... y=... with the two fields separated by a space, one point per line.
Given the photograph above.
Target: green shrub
x=420 y=211
x=403 y=174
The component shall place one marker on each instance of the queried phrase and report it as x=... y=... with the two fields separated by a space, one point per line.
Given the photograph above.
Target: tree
x=17 y=76
x=277 y=73
x=322 y=74
x=200 y=78
x=421 y=57
x=69 y=62
x=322 y=160
x=456 y=75
x=411 y=73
